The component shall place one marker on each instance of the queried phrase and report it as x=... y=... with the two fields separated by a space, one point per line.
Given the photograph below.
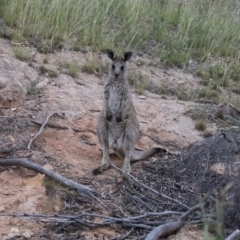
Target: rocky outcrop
x=15 y=78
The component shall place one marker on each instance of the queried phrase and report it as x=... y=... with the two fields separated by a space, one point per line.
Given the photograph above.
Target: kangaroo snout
x=116 y=75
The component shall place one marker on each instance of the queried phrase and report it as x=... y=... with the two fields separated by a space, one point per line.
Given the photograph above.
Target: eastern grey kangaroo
x=118 y=126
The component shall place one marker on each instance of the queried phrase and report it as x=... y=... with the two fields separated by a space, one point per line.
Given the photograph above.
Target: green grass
x=94 y=66
x=205 y=32
x=22 y=53
x=183 y=29
x=73 y=69
x=139 y=81
x=200 y=125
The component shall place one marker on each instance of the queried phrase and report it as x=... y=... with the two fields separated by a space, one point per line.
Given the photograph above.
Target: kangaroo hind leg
x=102 y=132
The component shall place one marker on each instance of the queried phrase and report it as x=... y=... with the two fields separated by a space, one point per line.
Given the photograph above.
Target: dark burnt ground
x=201 y=172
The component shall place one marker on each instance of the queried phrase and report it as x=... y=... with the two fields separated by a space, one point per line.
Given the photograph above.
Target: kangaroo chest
x=117 y=98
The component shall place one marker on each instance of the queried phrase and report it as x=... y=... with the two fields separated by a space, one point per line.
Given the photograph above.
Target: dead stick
x=171 y=226
x=153 y=190
x=39 y=132
x=82 y=190
x=234 y=235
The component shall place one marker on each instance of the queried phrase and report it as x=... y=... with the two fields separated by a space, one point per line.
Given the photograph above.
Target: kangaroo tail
x=138 y=155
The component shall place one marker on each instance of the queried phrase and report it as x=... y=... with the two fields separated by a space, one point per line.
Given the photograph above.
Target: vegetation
x=201 y=125
x=94 y=66
x=177 y=32
x=22 y=53
x=73 y=69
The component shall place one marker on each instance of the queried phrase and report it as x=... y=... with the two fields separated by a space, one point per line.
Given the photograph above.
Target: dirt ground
x=73 y=149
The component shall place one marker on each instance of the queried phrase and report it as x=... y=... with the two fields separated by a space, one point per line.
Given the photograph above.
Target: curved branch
x=234 y=235
x=164 y=229
x=40 y=130
x=171 y=226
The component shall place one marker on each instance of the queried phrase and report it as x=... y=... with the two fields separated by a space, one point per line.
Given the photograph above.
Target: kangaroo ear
x=110 y=54
x=127 y=56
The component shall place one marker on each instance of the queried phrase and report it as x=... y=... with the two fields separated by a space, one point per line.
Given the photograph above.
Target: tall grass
x=176 y=31
x=182 y=28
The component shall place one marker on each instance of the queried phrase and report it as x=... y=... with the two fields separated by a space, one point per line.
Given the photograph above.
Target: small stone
x=53 y=83
x=48 y=166
x=2 y=209
x=14 y=230
x=26 y=235
x=13 y=109
x=61 y=97
x=142 y=97
x=32 y=134
x=180 y=82
x=42 y=84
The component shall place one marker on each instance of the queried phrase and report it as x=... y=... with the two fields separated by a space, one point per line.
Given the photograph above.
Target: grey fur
x=118 y=126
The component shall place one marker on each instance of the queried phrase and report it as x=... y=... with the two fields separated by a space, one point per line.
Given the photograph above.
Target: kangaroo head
x=118 y=66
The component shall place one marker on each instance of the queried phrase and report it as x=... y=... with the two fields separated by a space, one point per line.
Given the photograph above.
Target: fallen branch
x=234 y=235
x=171 y=226
x=51 y=125
x=82 y=190
x=152 y=190
x=107 y=220
x=41 y=129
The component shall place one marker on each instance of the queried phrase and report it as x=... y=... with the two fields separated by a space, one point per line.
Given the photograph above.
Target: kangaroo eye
x=122 y=67
x=113 y=66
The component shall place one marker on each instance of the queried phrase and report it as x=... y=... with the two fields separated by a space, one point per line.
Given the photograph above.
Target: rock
x=27 y=234
x=180 y=82
x=14 y=232
x=15 y=78
x=42 y=84
x=53 y=83
x=142 y=97
x=2 y=209
x=48 y=166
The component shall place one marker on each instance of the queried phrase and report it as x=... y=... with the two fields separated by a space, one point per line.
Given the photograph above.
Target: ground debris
x=190 y=177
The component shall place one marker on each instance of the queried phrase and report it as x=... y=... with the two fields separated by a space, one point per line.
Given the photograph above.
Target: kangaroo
x=118 y=126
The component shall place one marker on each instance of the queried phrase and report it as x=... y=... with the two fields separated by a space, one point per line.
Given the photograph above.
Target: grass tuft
x=22 y=53
x=94 y=66
x=200 y=125
x=73 y=69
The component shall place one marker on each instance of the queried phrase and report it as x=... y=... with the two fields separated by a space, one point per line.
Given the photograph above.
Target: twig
x=39 y=132
x=234 y=235
x=171 y=226
x=125 y=235
x=82 y=190
x=87 y=141
x=153 y=190
x=50 y=125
